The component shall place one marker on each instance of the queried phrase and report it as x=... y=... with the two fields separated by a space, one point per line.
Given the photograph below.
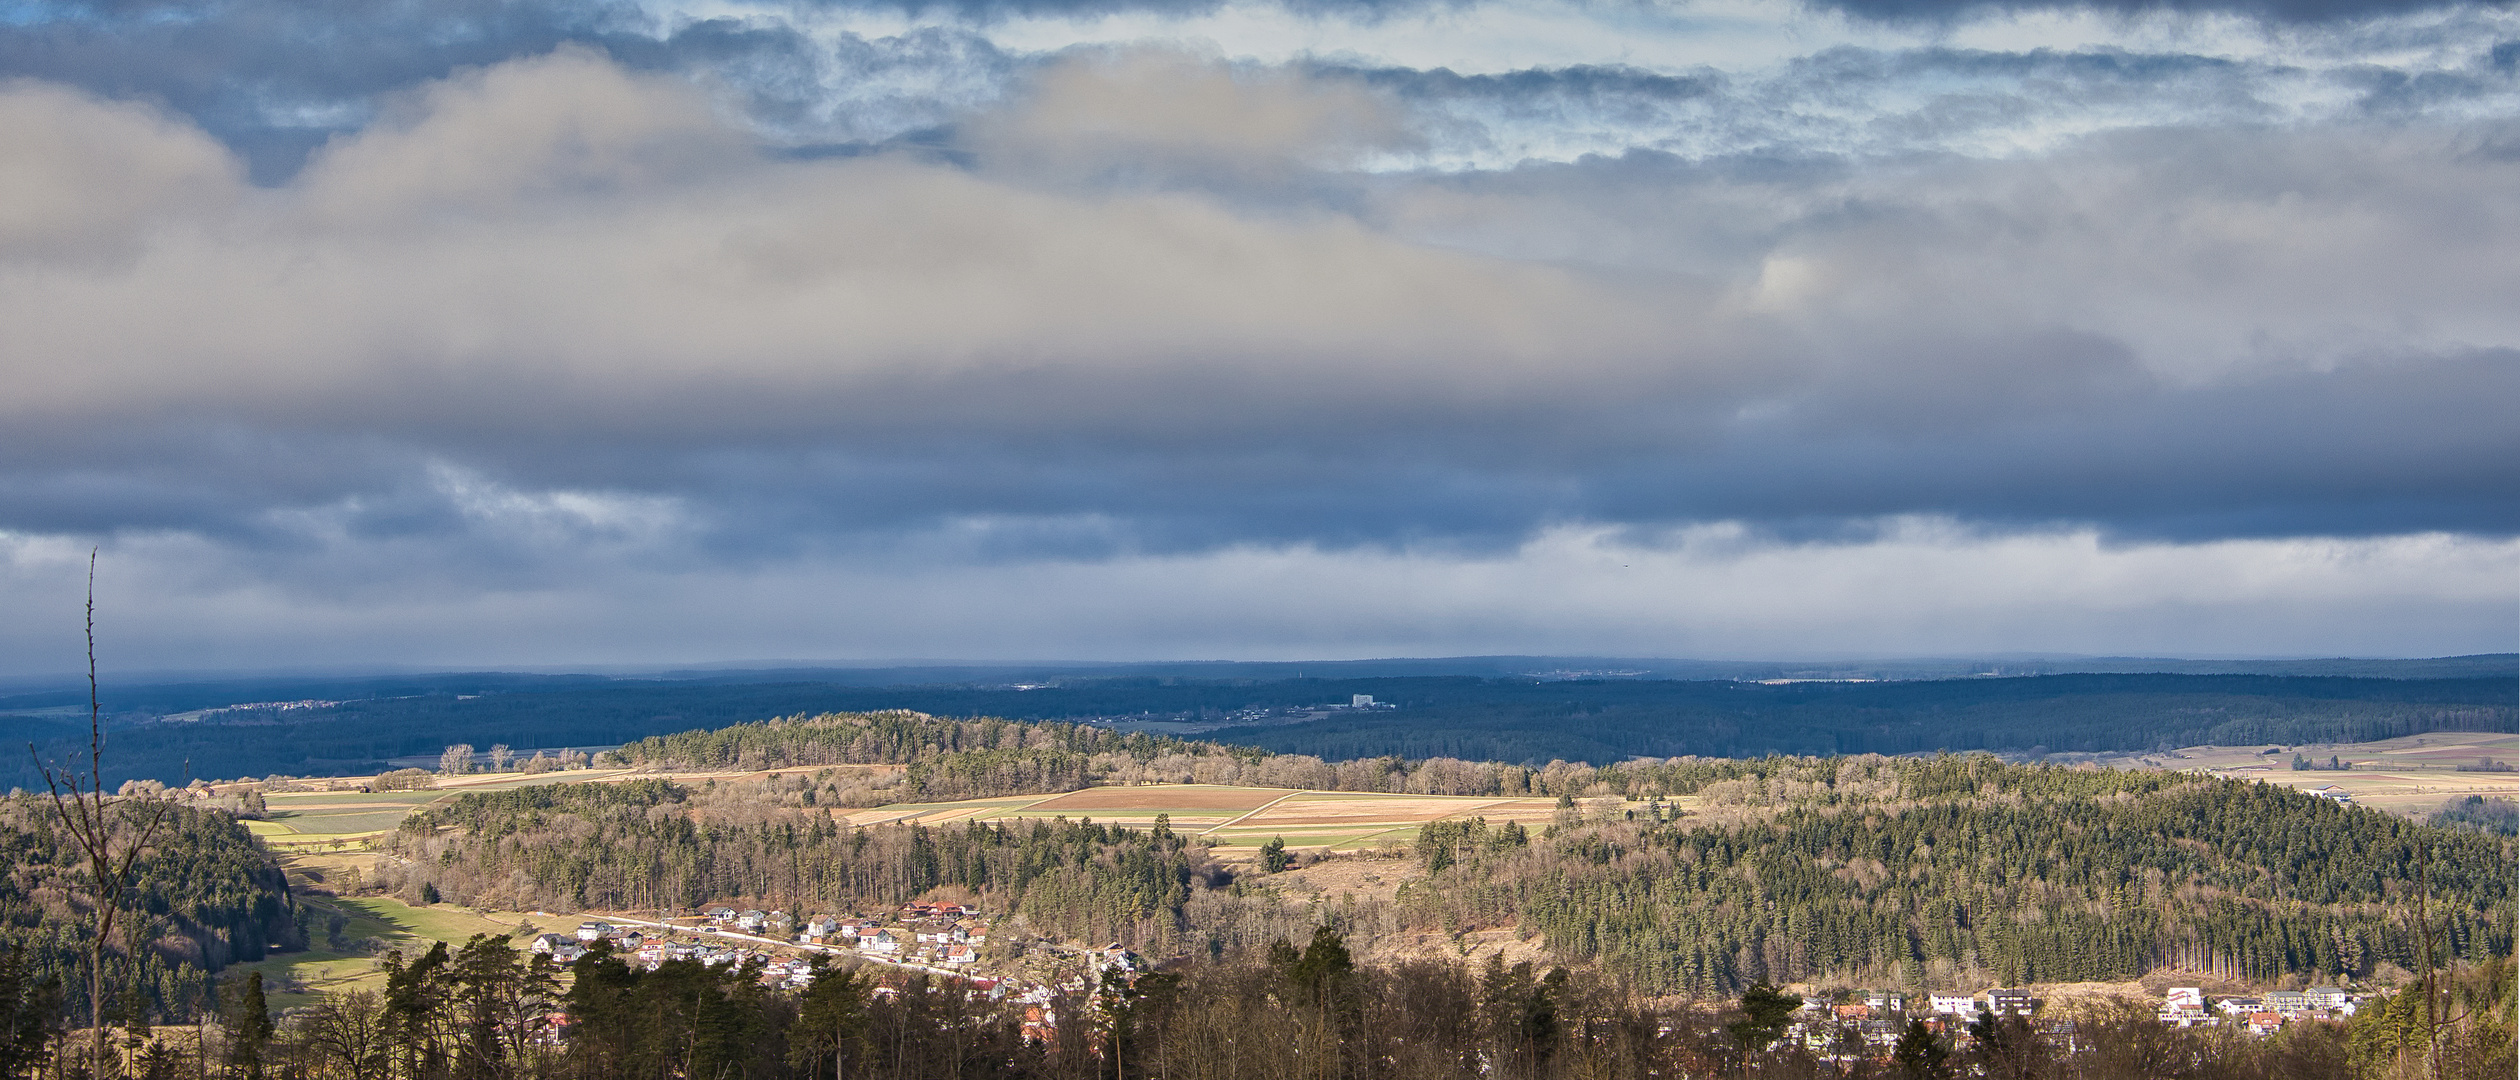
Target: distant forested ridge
x=1609 y=721
x=205 y=894
x=1520 y=720
x=1964 y=870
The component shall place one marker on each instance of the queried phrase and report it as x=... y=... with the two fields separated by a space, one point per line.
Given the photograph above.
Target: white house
x=2184 y=1007
x=1955 y=1004
x=591 y=932
x=2008 y=1002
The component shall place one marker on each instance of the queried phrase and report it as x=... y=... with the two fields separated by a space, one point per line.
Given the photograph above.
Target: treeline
x=945 y=758
x=2480 y=813
x=1964 y=871
x=204 y=894
x=482 y=1011
x=652 y=844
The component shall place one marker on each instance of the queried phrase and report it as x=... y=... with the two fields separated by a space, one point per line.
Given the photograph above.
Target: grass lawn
x=310 y=823
x=315 y=972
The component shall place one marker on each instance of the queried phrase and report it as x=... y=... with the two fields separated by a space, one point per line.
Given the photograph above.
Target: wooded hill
x=946 y=759
x=204 y=895
x=649 y=844
x=1963 y=871
x=1943 y=871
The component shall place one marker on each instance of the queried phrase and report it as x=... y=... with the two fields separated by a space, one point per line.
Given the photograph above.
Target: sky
x=537 y=333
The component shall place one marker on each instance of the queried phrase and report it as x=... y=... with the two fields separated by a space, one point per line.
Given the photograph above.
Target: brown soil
x=1159 y=797
x=1398 y=811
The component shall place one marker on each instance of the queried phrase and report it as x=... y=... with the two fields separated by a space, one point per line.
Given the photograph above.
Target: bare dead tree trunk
x=79 y=801
x=2423 y=937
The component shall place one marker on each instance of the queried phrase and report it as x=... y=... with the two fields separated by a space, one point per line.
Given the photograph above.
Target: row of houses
x=2187 y=1006
x=1869 y=1023
x=934 y=937
x=1890 y=1004
x=943 y=937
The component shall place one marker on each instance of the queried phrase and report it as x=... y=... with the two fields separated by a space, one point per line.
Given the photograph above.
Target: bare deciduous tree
x=109 y=840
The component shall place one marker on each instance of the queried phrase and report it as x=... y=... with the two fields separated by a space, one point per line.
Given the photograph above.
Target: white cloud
x=84 y=180
x=1924 y=587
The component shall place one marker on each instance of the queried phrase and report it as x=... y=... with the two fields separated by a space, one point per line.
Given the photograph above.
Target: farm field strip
x=1313 y=819
x=2410 y=775
x=1171 y=797
x=1254 y=810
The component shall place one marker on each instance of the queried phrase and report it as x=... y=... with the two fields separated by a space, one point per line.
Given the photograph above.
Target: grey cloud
x=560 y=306
x=2282 y=11
x=1874 y=103
x=276 y=80
x=2287 y=11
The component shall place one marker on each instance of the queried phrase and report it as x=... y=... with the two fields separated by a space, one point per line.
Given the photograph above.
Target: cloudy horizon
x=540 y=334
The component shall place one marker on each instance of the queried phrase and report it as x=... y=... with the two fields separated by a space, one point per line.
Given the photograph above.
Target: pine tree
x=248 y=1027
x=1920 y=1054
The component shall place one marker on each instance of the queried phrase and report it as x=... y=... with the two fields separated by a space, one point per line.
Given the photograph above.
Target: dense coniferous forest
x=1963 y=871
x=1522 y=720
x=204 y=895
x=653 y=844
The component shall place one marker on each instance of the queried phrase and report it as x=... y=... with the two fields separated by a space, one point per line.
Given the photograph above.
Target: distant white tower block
x=1360 y=701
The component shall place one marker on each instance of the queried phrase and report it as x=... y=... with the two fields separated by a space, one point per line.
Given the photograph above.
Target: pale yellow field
x=1243 y=818
x=2412 y=775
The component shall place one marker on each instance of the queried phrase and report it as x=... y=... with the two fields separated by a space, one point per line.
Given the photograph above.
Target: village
x=1869 y=1023
x=946 y=940
x=941 y=940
